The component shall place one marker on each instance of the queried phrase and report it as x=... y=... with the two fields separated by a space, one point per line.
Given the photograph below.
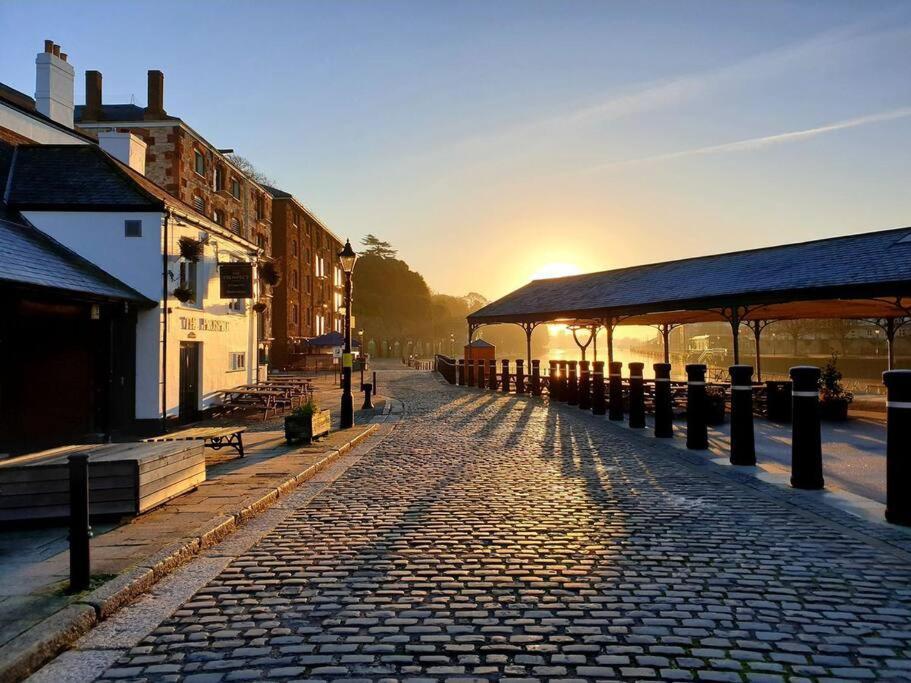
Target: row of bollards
x=582 y=384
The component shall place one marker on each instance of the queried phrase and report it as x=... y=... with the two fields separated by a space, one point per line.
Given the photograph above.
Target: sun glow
x=556 y=269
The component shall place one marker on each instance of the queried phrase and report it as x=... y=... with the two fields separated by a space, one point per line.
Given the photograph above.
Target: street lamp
x=346 y=258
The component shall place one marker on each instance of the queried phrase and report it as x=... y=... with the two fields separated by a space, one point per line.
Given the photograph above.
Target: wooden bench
x=215 y=438
x=124 y=479
x=263 y=398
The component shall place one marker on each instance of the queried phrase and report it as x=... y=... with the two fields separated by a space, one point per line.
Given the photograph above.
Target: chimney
x=127 y=147
x=155 y=107
x=54 y=85
x=92 y=110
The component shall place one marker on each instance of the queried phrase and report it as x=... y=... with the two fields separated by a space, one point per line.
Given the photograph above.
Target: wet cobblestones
x=493 y=538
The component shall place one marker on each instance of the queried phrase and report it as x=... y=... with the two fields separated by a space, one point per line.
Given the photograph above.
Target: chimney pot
x=155 y=107
x=63 y=56
x=56 y=50
x=49 y=46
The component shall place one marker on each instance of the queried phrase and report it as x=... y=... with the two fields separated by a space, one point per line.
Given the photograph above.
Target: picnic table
x=257 y=395
x=215 y=438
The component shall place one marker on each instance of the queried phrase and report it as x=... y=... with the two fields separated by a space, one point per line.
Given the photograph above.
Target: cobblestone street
x=491 y=537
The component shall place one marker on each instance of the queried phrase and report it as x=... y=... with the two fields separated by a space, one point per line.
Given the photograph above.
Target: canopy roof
x=857 y=276
x=330 y=339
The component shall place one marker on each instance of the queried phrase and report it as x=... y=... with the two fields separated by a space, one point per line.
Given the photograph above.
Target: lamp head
x=347 y=257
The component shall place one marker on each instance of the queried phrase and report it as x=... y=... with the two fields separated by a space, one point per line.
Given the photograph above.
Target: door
x=189 y=381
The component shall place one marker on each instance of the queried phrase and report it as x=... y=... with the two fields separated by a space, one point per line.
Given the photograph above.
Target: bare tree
x=248 y=169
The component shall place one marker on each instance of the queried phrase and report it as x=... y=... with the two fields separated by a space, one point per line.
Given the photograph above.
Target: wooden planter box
x=307 y=428
x=124 y=479
x=835 y=410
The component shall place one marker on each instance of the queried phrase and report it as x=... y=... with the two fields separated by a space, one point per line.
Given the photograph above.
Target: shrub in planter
x=306 y=423
x=183 y=294
x=833 y=397
x=269 y=273
x=714 y=405
x=190 y=249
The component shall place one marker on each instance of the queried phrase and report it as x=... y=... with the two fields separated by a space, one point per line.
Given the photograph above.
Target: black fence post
x=504 y=375
x=585 y=386
x=492 y=374
x=368 y=403
x=615 y=383
x=599 y=405
x=572 y=384
x=664 y=409
x=461 y=372
x=470 y=364
x=636 y=396
x=80 y=530
x=536 y=378
x=520 y=376
x=898 y=446
x=806 y=440
x=697 y=433
x=743 y=446
x=480 y=376
x=561 y=380
x=375 y=384
x=553 y=387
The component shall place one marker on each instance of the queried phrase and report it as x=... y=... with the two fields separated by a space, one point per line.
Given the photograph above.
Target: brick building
x=308 y=301
x=186 y=165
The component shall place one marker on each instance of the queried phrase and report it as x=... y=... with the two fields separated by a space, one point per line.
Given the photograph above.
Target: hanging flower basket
x=190 y=249
x=269 y=273
x=183 y=294
x=259 y=306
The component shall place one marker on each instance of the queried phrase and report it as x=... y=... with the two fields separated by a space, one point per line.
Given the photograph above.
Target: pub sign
x=236 y=280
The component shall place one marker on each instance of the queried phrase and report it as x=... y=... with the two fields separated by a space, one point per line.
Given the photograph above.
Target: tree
x=374 y=246
x=248 y=169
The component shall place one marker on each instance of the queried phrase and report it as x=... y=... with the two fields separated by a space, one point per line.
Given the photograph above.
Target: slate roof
x=118 y=112
x=71 y=176
x=480 y=344
x=32 y=258
x=855 y=266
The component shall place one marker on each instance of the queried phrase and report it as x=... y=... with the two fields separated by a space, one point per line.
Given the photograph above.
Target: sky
x=491 y=142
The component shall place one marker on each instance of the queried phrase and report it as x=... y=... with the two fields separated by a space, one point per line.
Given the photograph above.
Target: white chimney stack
x=54 y=85
x=128 y=148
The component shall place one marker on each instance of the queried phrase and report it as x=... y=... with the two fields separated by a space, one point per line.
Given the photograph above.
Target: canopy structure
x=865 y=276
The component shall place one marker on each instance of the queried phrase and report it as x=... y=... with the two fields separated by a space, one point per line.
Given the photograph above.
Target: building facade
x=309 y=301
x=188 y=167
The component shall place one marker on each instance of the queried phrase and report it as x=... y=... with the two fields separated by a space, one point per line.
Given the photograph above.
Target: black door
x=189 y=381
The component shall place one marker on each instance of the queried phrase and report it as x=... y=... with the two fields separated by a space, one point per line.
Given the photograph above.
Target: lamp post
x=346 y=258
x=360 y=338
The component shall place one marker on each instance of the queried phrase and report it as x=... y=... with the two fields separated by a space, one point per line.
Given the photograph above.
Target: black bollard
x=520 y=376
x=461 y=372
x=480 y=375
x=80 y=530
x=697 y=432
x=664 y=409
x=806 y=441
x=504 y=376
x=615 y=394
x=636 y=396
x=492 y=375
x=561 y=380
x=898 y=445
x=599 y=406
x=585 y=386
x=368 y=403
x=553 y=385
x=374 y=383
x=743 y=447
x=536 y=378
x=572 y=384
x=470 y=366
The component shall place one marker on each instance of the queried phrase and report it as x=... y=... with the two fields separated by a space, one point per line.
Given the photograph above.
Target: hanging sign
x=236 y=280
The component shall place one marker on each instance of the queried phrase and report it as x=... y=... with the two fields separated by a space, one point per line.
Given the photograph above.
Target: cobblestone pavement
x=493 y=538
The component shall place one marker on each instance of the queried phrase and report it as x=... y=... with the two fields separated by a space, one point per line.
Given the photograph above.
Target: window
x=199 y=204
x=319 y=266
x=237 y=360
x=294 y=247
x=338 y=301
x=295 y=283
x=294 y=313
x=260 y=207
x=132 y=228
x=260 y=240
x=200 y=163
x=237 y=306
x=320 y=324
x=218 y=216
x=235 y=188
x=338 y=276
x=235 y=225
x=218 y=178
x=188 y=278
